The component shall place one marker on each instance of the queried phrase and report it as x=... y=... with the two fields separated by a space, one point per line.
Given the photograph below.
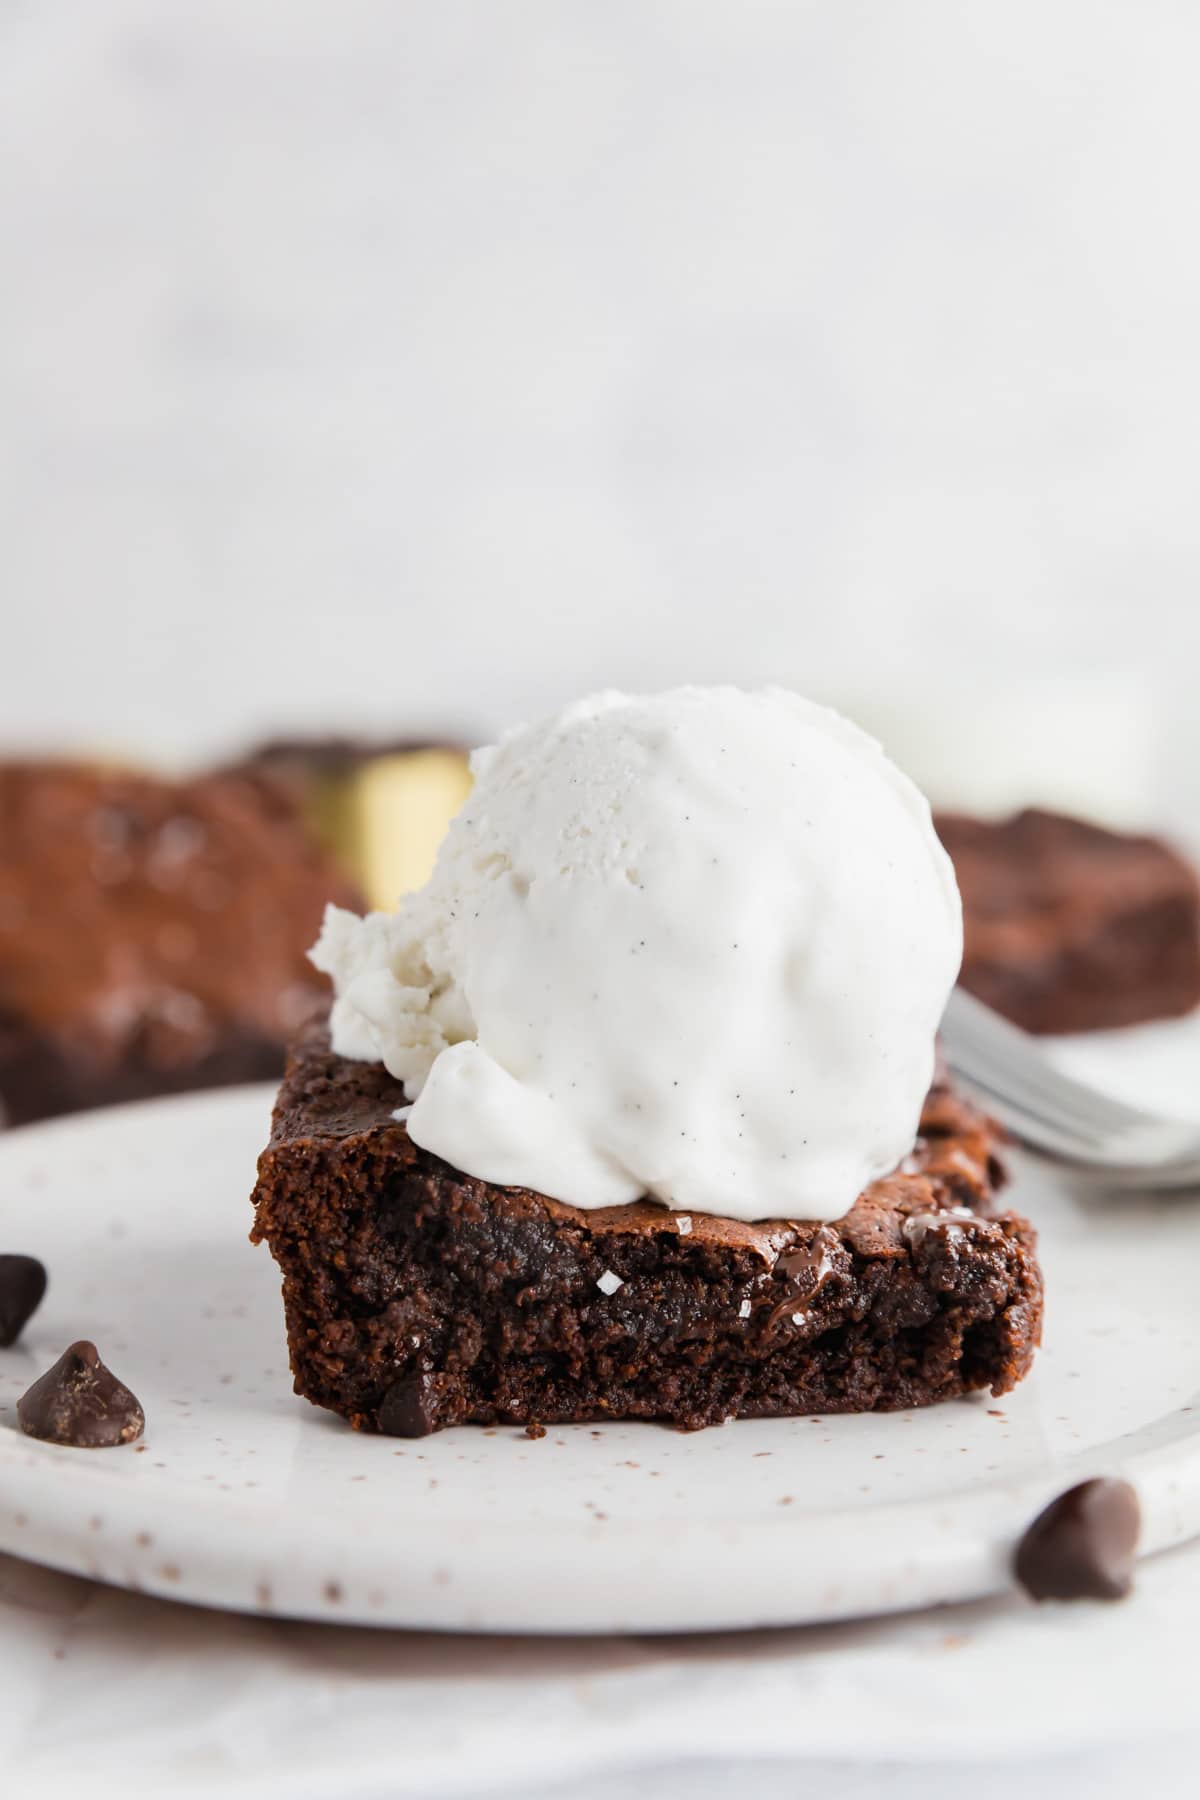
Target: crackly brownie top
x=953 y=1170
x=135 y=910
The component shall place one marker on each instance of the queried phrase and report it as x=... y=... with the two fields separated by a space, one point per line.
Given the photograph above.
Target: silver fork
x=1016 y=1081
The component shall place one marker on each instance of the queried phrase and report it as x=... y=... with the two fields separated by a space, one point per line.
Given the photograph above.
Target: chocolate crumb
x=22 y=1285
x=535 y=1429
x=81 y=1402
x=1082 y=1546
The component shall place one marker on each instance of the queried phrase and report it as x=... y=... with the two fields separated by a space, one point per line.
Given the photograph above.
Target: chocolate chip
x=1082 y=1547
x=806 y=1270
x=80 y=1402
x=409 y=1408
x=812 y=1265
x=22 y=1284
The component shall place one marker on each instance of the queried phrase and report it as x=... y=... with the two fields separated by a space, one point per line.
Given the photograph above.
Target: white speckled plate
x=243 y=1496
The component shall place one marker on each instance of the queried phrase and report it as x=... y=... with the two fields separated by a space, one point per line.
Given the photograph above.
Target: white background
x=422 y=365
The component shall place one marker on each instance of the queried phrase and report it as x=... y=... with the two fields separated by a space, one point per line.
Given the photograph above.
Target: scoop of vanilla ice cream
x=693 y=945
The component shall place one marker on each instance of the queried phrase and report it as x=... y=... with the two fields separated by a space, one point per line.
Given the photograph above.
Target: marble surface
x=139 y=1697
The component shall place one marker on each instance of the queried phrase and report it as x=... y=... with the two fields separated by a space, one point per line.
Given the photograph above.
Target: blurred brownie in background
x=1070 y=927
x=153 y=934
x=380 y=808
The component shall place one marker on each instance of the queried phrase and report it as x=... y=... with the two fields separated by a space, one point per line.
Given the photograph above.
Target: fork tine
x=1044 y=1098
x=1028 y=1124
x=1170 y=1163
x=1008 y=1050
x=1123 y=1145
x=1014 y=1063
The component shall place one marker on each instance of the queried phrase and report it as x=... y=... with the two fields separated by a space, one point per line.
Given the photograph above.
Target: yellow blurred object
x=384 y=818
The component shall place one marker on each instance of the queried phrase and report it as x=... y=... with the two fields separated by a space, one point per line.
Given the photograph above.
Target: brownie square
x=417 y=1297
x=153 y=934
x=1070 y=927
